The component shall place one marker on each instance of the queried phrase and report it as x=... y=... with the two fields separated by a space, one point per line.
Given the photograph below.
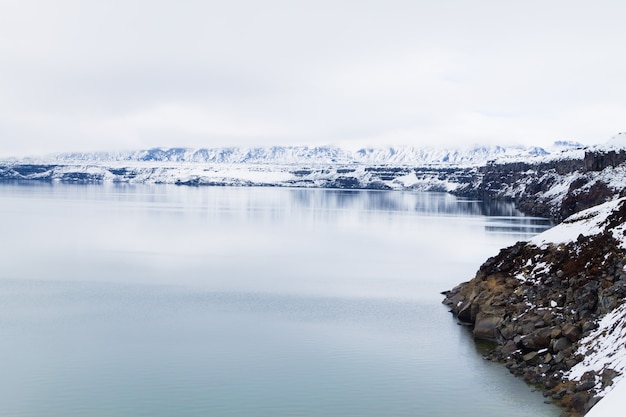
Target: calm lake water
x=120 y=300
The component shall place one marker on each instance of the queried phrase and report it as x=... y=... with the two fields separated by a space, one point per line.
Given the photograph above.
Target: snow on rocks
x=612 y=404
x=586 y=223
x=555 y=306
x=556 y=186
x=604 y=350
x=240 y=174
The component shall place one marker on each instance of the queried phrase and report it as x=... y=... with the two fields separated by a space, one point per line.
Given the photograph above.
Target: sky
x=82 y=75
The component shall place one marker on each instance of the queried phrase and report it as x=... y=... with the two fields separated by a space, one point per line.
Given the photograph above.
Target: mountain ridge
x=328 y=154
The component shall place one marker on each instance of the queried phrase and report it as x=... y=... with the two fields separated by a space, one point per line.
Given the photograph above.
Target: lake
x=138 y=300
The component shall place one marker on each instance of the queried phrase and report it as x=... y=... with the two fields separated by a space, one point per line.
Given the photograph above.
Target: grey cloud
x=97 y=74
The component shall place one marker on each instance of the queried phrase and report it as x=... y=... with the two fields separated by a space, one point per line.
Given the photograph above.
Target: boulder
x=508 y=348
x=571 y=332
x=560 y=344
x=532 y=358
x=555 y=333
x=465 y=312
x=538 y=339
x=486 y=326
x=585 y=386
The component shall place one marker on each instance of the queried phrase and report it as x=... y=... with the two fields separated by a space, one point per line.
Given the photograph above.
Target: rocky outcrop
x=599 y=161
x=557 y=188
x=536 y=300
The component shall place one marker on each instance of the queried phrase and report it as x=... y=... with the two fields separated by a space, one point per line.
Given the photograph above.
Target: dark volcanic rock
x=571 y=332
x=538 y=339
x=538 y=302
x=530 y=185
x=486 y=326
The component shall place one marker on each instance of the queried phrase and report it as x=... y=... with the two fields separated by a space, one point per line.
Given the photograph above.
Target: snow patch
x=586 y=223
x=408 y=180
x=604 y=348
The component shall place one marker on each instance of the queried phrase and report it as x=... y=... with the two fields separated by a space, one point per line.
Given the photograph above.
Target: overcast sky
x=106 y=75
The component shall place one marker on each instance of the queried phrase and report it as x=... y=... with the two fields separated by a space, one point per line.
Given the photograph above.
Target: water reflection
x=279 y=205
x=431 y=203
x=163 y=300
x=501 y=217
x=522 y=226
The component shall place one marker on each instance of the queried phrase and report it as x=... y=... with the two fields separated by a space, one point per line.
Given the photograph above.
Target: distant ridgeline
x=324 y=155
x=552 y=183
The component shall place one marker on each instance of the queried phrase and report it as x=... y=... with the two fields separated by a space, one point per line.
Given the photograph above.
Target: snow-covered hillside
x=556 y=185
x=603 y=349
x=555 y=305
x=353 y=176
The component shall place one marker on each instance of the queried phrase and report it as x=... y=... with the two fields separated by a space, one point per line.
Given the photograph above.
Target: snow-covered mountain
x=318 y=155
x=468 y=169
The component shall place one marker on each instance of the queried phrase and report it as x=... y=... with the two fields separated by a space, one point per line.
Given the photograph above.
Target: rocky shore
x=554 y=188
x=542 y=303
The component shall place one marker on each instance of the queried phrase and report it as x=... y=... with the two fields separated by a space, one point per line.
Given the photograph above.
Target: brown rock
x=508 y=348
x=538 y=339
x=555 y=333
x=531 y=358
x=464 y=313
x=585 y=386
x=571 y=332
x=486 y=326
x=511 y=282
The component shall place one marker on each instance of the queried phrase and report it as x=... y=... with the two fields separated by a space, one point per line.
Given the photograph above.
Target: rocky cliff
x=541 y=302
x=555 y=188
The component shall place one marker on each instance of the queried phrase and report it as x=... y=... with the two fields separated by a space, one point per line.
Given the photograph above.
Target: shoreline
x=544 y=301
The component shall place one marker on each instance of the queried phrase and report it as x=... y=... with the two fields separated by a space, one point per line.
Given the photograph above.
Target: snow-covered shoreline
x=547 y=184
x=205 y=174
x=555 y=305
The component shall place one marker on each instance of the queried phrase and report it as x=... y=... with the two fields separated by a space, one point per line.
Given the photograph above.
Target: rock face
x=537 y=299
x=556 y=188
